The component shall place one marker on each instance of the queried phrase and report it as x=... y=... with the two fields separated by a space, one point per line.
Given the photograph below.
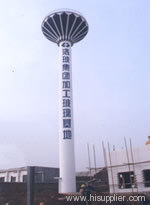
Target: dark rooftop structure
x=65 y=25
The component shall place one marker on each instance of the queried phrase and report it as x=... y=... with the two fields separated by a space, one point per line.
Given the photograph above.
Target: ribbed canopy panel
x=65 y=26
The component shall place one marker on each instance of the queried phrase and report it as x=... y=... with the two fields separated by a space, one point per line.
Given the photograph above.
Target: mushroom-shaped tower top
x=65 y=25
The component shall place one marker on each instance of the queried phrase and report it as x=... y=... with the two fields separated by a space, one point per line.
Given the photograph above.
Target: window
x=2 y=179
x=24 y=178
x=13 y=179
x=146 y=174
x=126 y=180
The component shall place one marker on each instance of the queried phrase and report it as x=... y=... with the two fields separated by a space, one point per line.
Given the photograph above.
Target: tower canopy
x=65 y=25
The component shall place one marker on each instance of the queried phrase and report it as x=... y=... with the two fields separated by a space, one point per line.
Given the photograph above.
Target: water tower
x=65 y=27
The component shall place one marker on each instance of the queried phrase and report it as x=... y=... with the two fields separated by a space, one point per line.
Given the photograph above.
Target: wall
x=47 y=174
x=119 y=158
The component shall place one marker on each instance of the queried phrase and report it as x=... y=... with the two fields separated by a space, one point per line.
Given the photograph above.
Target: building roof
x=89 y=173
x=24 y=169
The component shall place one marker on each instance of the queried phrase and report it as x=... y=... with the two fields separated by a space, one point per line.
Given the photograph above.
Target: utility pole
x=30 y=185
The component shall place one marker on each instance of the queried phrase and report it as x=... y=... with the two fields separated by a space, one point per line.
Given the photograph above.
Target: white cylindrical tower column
x=65 y=27
x=67 y=182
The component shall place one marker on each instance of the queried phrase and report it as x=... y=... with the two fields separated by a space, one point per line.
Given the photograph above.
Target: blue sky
x=110 y=80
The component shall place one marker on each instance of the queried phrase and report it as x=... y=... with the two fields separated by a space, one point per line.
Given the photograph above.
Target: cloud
x=11 y=156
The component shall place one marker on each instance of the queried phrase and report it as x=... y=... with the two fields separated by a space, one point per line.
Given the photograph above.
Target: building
x=129 y=170
x=42 y=174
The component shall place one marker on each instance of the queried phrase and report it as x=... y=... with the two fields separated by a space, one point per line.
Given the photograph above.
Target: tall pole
x=65 y=28
x=132 y=157
x=30 y=185
x=112 y=177
x=66 y=134
x=94 y=154
x=128 y=162
x=104 y=153
x=89 y=160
